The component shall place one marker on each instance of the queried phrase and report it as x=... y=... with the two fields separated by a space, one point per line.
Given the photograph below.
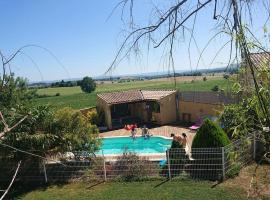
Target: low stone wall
x=84 y=111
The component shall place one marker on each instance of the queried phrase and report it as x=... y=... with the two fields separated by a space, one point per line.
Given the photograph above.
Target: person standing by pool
x=183 y=141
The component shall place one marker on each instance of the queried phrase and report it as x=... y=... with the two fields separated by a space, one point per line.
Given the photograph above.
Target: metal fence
x=207 y=163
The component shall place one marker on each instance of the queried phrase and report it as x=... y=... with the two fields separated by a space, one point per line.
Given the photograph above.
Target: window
x=153 y=106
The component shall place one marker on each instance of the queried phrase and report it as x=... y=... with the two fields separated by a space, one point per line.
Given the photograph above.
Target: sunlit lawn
x=75 y=98
x=189 y=190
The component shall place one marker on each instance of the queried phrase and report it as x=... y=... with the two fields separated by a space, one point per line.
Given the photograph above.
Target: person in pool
x=145 y=132
x=133 y=132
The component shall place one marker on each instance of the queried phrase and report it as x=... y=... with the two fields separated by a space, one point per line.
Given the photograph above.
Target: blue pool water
x=118 y=145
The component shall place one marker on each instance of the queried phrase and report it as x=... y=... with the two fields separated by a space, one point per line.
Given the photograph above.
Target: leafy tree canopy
x=44 y=131
x=88 y=85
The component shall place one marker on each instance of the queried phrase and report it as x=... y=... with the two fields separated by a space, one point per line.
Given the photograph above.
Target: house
x=158 y=106
x=145 y=106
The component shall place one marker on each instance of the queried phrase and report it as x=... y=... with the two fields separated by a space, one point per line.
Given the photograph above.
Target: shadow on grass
x=95 y=184
x=18 y=190
x=163 y=182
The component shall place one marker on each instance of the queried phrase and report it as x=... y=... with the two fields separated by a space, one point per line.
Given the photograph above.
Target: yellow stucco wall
x=196 y=110
x=168 y=109
x=107 y=111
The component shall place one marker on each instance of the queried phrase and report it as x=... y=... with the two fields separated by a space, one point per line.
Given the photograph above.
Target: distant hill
x=151 y=75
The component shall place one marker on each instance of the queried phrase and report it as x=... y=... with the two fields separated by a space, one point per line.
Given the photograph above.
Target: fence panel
x=239 y=153
x=206 y=163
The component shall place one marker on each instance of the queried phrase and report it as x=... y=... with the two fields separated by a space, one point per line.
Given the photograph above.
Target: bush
x=210 y=135
x=96 y=117
x=130 y=167
x=57 y=94
x=226 y=76
x=215 y=88
x=93 y=117
x=204 y=78
x=234 y=170
x=79 y=133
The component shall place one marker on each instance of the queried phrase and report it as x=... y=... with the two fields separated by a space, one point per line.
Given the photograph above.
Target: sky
x=82 y=38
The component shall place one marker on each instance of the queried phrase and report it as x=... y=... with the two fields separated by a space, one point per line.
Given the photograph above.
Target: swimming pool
x=118 y=145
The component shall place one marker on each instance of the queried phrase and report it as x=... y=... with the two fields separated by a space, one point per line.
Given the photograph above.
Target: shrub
x=204 y=78
x=130 y=167
x=226 y=76
x=234 y=170
x=96 y=117
x=215 y=88
x=57 y=94
x=210 y=135
x=43 y=95
x=79 y=133
x=93 y=117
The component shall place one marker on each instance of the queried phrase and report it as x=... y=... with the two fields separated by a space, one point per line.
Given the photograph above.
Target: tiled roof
x=121 y=97
x=206 y=97
x=134 y=96
x=260 y=59
x=156 y=94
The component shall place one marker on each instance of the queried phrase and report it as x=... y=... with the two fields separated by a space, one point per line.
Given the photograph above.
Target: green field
x=75 y=98
x=155 y=190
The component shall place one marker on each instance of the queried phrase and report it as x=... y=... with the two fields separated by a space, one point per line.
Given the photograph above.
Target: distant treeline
x=232 y=69
x=56 y=84
x=66 y=83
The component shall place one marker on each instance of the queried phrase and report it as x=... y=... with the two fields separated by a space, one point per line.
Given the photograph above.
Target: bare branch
x=12 y=181
x=6 y=127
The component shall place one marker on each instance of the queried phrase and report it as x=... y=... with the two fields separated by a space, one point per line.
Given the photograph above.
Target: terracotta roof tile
x=121 y=97
x=260 y=59
x=156 y=94
x=134 y=96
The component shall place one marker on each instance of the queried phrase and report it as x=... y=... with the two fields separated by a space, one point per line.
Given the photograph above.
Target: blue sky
x=77 y=33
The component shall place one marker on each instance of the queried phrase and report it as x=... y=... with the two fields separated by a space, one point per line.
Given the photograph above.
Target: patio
x=164 y=131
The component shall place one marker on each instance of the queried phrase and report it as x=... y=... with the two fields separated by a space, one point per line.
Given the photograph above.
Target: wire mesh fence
x=206 y=163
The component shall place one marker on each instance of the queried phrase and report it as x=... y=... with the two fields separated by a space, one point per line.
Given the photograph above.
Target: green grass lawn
x=75 y=98
x=187 y=190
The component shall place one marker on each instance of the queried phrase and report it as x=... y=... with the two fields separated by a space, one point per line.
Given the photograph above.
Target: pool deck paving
x=164 y=131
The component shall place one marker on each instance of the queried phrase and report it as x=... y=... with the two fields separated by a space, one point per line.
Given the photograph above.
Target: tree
x=172 y=20
x=28 y=132
x=226 y=76
x=210 y=135
x=88 y=85
x=48 y=132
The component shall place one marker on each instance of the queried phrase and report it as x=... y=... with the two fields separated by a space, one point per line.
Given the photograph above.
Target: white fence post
x=254 y=145
x=104 y=167
x=223 y=163
x=45 y=171
x=169 y=164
